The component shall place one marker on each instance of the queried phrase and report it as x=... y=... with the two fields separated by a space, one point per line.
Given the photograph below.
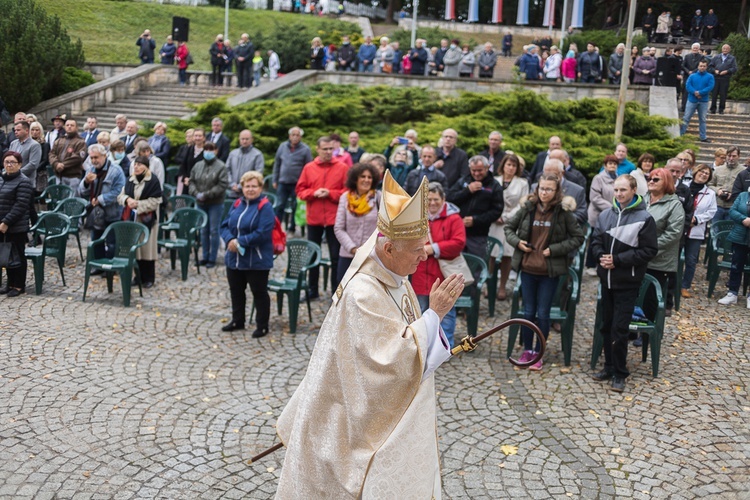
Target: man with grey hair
x=101 y=185
x=570 y=173
x=244 y=159
x=117 y=133
x=554 y=166
x=131 y=136
x=291 y=158
x=494 y=152
x=615 y=64
x=244 y=53
x=220 y=140
x=722 y=66
x=480 y=198
x=29 y=149
x=452 y=160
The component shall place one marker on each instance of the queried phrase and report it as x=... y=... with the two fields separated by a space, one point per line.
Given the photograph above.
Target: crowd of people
x=243 y=60
x=663 y=28
x=540 y=214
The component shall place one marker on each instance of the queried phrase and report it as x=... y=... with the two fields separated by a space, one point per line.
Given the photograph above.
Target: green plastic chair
x=175 y=203
x=271 y=198
x=302 y=256
x=653 y=331
x=129 y=236
x=721 y=260
x=716 y=228
x=170 y=175
x=565 y=316
x=470 y=297
x=268 y=184
x=187 y=224
x=53 y=195
x=54 y=227
x=493 y=266
x=75 y=209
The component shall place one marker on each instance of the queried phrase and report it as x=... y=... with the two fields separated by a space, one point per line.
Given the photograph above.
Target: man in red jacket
x=321 y=184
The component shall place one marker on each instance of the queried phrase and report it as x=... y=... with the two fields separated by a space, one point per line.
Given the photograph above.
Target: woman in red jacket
x=447 y=239
x=181 y=56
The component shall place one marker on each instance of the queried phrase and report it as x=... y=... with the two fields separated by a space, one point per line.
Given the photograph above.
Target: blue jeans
x=690 y=108
x=692 y=249
x=210 y=233
x=256 y=77
x=183 y=76
x=449 y=320
x=721 y=214
x=365 y=68
x=285 y=193
x=537 y=292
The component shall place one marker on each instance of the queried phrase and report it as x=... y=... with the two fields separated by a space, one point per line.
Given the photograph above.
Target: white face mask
x=453 y=46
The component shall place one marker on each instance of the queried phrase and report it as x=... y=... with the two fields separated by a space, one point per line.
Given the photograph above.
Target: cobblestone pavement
x=100 y=401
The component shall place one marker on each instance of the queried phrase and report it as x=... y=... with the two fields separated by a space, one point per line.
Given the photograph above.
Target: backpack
x=278 y=236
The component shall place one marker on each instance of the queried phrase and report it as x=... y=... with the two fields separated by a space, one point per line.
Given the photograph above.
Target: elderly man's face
x=131 y=128
x=676 y=169
x=406 y=255
x=554 y=143
x=558 y=154
x=97 y=159
x=449 y=139
x=58 y=123
x=246 y=139
x=478 y=171
x=428 y=157
x=725 y=49
x=295 y=136
x=495 y=141
x=120 y=122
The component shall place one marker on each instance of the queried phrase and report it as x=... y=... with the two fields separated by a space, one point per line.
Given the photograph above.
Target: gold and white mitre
x=400 y=217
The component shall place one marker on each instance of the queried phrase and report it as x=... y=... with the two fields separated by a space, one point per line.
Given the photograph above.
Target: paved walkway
x=99 y=401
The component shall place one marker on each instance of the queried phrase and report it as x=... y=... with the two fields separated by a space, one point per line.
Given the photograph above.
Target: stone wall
x=102 y=71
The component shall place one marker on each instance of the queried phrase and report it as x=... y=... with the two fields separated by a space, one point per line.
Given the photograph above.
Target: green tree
x=36 y=50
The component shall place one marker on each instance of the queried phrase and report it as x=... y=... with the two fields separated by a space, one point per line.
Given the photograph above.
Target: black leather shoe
x=230 y=327
x=203 y=262
x=4 y=290
x=148 y=284
x=260 y=332
x=313 y=296
x=15 y=292
x=602 y=375
x=618 y=384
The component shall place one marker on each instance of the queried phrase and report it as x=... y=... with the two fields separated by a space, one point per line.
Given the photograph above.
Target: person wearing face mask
x=218 y=58
x=118 y=157
x=208 y=184
x=346 y=55
x=101 y=185
x=451 y=59
x=141 y=197
x=15 y=202
x=245 y=158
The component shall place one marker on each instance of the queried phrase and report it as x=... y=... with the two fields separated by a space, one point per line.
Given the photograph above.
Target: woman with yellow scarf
x=357 y=215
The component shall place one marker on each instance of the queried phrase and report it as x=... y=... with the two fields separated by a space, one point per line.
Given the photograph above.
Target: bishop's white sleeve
x=438 y=348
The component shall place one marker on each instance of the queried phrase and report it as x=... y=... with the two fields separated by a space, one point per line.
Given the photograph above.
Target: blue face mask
x=119 y=155
x=209 y=155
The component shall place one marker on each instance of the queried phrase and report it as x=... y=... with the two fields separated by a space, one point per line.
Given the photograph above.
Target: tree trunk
x=741 y=23
x=393 y=6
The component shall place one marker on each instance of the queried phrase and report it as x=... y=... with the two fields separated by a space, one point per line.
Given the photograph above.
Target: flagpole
x=563 y=26
x=625 y=73
x=414 y=24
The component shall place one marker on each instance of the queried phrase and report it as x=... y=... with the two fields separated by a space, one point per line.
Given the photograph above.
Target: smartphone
x=403 y=140
x=530 y=246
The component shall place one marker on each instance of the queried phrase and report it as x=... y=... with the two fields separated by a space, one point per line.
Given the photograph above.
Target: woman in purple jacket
x=357 y=215
x=644 y=68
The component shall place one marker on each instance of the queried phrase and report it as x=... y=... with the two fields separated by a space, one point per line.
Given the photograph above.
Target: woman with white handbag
x=447 y=239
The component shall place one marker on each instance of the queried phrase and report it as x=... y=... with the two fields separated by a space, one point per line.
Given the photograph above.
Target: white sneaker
x=729 y=299
x=590 y=271
x=748 y=302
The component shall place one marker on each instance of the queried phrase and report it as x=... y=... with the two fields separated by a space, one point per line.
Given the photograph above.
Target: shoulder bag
x=455 y=266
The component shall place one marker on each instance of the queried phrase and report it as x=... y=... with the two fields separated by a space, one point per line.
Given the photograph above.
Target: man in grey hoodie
x=241 y=160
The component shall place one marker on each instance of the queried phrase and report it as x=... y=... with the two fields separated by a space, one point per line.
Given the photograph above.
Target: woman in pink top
x=568 y=67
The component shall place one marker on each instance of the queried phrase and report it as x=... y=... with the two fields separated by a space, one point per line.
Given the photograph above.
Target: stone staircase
x=723 y=131
x=158 y=103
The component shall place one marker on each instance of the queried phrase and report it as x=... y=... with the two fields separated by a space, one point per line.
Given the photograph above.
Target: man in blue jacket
x=366 y=55
x=698 y=87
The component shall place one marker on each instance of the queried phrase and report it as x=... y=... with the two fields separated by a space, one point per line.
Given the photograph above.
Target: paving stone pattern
x=154 y=401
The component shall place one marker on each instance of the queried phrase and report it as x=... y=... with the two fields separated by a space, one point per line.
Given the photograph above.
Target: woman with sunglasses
x=666 y=209
x=543 y=232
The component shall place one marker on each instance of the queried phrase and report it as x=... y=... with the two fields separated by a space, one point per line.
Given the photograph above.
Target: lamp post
x=415 y=7
x=625 y=74
x=226 y=20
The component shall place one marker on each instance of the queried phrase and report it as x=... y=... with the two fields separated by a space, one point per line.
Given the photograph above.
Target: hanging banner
x=523 y=12
x=549 y=13
x=577 y=18
x=473 y=11
x=450 y=10
x=497 y=11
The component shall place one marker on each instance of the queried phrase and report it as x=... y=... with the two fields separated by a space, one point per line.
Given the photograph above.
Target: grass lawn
x=109 y=29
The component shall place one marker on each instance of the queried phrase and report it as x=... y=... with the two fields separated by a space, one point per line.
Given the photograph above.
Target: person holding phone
x=544 y=232
x=147 y=47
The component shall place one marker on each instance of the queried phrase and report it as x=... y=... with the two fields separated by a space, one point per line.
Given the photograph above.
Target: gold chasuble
x=362 y=424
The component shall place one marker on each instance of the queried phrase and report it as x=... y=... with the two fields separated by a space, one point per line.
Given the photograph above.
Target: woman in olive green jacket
x=544 y=232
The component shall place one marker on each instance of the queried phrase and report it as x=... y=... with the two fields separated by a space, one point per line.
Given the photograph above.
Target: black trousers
x=147 y=268
x=244 y=76
x=217 y=78
x=720 y=92
x=665 y=279
x=17 y=275
x=315 y=234
x=617 y=310
x=238 y=280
